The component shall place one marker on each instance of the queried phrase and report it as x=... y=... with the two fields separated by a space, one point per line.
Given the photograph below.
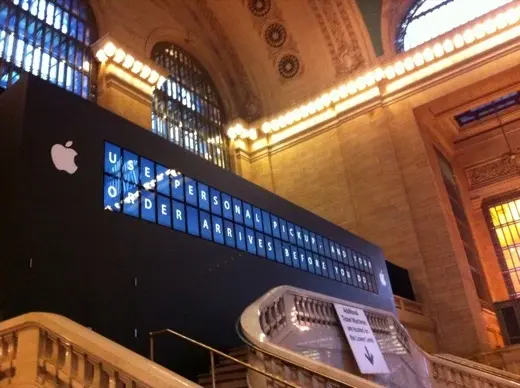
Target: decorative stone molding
x=275 y=35
x=288 y=66
x=259 y=7
x=282 y=48
x=495 y=170
x=338 y=31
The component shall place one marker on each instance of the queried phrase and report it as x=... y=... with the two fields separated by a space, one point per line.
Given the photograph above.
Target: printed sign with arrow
x=370 y=357
x=361 y=339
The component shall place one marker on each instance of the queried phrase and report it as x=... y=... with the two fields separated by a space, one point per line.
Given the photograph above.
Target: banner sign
x=144 y=189
x=361 y=339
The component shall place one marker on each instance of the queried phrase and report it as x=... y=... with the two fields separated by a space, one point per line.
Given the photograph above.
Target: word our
x=141 y=188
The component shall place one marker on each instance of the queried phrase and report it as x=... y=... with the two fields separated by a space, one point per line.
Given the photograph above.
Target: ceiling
x=263 y=55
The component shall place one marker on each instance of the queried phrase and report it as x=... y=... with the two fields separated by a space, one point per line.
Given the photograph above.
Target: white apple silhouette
x=382 y=278
x=63 y=157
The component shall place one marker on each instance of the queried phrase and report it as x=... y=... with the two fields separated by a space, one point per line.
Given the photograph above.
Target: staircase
x=39 y=350
x=227 y=373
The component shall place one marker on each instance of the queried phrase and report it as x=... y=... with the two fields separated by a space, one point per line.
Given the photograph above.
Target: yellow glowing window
x=504 y=220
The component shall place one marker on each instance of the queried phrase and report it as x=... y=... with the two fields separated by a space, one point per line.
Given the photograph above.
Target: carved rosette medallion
x=282 y=49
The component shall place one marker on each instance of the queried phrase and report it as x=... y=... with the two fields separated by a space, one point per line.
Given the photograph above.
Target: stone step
x=233 y=367
x=219 y=361
x=222 y=377
x=236 y=352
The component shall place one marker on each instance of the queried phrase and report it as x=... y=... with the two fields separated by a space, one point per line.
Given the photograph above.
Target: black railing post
x=151 y=347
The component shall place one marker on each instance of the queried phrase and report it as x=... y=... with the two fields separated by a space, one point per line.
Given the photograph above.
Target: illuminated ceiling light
x=334 y=95
x=128 y=62
x=253 y=135
x=325 y=100
x=399 y=68
x=110 y=49
x=275 y=125
x=379 y=74
x=408 y=64
x=448 y=46
x=479 y=31
x=512 y=17
x=145 y=73
x=390 y=72
x=318 y=104
x=428 y=55
x=352 y=88
x=283 y=119
x=501 y=21
x=516 y=11
x=101 y=56
x=370 y=78
x=360 y=83
x=343 y=91
x=136 y=68
x=458 y=41
x=297 y=114
x=310 y=108
x=154 y=77
x=242 y=132
x=418 y=59
x=266 y=127
x=438 y=50
x=289 y=118
x=119 y=56
x=468 y=36
x=490 y=26
x=231 y=133
x=302 y=112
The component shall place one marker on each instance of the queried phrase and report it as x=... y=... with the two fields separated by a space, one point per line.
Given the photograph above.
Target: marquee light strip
x=424 y=60
x=108 y=51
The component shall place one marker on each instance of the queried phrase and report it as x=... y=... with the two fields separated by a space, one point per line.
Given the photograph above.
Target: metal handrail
x=212 y=352
x=238 y=330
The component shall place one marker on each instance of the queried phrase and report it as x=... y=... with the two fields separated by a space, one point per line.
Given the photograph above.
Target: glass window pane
x=428 y=19
x=45 y=36
x=504 y=224
x=180 y=112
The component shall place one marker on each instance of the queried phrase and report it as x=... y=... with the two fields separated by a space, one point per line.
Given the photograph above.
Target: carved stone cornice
x=493 y=171
x=337 y=29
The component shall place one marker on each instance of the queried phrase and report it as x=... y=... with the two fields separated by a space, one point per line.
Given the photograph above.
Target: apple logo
x=382 y=278
x=63 y=157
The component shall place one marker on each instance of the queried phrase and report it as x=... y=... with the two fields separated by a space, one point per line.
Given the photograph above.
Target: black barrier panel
x=141 y=267
x=144 y=189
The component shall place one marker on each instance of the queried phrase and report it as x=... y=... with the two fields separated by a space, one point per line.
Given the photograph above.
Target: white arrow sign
x=361 y=340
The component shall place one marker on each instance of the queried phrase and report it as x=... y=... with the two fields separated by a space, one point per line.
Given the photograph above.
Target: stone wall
x=377 y=174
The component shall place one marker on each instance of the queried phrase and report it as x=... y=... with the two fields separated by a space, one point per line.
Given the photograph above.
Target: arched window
x=50 y=39
x=187 y=110
x=428 y=19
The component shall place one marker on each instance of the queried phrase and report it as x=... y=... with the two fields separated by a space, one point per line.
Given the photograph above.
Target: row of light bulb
x=399 y=68
x=238 y=131
x=127 y=61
